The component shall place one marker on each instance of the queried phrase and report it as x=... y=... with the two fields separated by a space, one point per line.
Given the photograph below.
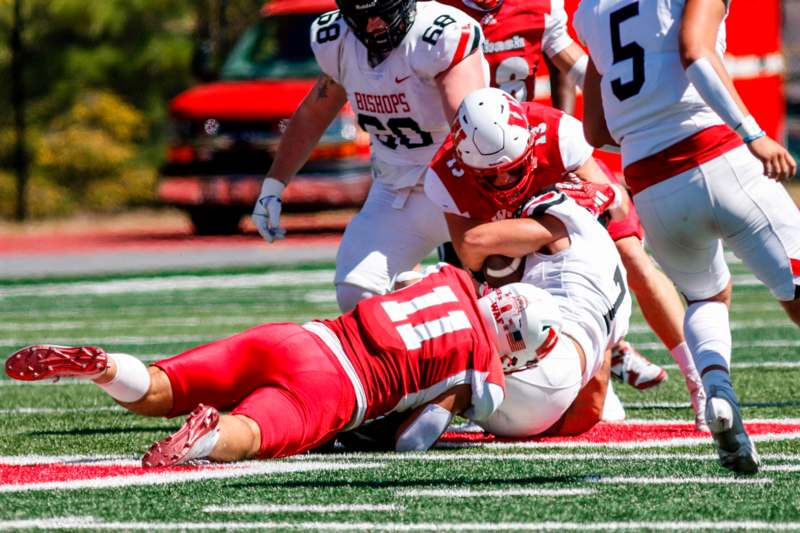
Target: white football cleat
x=736 y=451
x=631 y=367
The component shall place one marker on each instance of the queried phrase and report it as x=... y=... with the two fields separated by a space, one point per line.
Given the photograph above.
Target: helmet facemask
x=397 y=17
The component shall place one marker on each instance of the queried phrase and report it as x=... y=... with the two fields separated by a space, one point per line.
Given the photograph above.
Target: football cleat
x=631 y=367
x=46 y=361
x=188 y=443
x=613 y=410
x=736 y=451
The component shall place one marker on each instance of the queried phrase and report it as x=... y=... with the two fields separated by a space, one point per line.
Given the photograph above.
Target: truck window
x=276 y=47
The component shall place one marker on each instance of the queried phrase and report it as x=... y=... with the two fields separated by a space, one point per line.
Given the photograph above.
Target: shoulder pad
x=327 y=36
x=444 y=38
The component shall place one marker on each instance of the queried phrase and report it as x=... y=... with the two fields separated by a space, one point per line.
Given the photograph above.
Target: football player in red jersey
x=546 y=148
x=431 y=350
x=518 y=35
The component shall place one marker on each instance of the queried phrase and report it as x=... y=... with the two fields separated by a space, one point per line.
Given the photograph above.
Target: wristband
x=748 y=128
x=754 y=137
x=577 y=73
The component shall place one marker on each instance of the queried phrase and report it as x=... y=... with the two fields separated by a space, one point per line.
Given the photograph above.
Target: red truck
x=224 y=134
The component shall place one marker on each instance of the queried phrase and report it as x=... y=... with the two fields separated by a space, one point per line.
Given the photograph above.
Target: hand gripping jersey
x=410 y=346
x=515 y=37
x=587 y=279
x=398 y=102
x=560 y=148
x=649 y=102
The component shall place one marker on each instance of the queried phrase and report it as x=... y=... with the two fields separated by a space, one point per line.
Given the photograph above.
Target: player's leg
x=126 y=379
x=683 y=232
x=305 y=398
x=664 y=312
x=628 y=365
x=392 y=233
x=793 y=309
x=761 y=224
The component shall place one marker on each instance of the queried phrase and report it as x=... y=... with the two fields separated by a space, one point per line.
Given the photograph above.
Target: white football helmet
x=492 y=135
x=526 y=323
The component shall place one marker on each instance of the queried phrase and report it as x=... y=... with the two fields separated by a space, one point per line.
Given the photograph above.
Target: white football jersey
x=649 y=102
x=398 y=101
x=587 y=279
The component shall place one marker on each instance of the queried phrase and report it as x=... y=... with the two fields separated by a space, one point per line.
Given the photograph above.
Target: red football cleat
x=35 y=363
x=185 y=444
x=631 y=367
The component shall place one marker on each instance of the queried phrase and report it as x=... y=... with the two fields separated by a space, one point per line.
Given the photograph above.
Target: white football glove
x=267 y=212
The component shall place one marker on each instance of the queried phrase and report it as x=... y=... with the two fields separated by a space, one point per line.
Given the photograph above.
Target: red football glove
x=596 y=197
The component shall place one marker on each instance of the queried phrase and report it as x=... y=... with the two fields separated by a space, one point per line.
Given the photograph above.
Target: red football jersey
x=559 y=146
x=516 y=35
x=412 y=345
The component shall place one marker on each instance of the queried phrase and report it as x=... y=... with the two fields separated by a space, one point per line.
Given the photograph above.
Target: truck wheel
x=210 y=221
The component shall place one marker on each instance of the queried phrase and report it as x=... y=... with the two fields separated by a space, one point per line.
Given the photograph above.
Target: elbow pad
x=423 y=432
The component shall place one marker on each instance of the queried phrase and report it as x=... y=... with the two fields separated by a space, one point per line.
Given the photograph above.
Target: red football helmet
x=492 y=137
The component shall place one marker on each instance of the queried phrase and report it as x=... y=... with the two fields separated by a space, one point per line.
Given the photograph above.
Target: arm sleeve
x=556 y=37
x=488 y=389
x=424 y=431
x=439 y=49
x=327 y=35
x=572 y=145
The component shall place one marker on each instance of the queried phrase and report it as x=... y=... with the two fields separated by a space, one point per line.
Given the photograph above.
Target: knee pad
x=348 y=295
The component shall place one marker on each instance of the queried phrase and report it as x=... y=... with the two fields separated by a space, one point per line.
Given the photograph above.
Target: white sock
x=132 y=380
x=204 y=446
x=613 y=411
x=683 y=357
x=708 y=334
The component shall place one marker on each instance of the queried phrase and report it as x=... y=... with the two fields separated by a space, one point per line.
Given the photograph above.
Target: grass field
x=76 y=430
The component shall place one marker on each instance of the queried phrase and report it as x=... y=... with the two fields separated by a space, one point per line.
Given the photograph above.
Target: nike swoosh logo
x=401 y=80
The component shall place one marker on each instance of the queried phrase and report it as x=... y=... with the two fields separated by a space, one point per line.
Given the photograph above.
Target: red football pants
x=279 y=375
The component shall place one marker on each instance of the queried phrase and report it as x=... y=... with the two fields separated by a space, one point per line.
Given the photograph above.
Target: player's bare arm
x=460 y=80
x=699 y=26
x=513 y=238
x=562 y=90
x=309 y=122
x=427 y=423
x=458 y=226
x=304 y=130
x=595 y=128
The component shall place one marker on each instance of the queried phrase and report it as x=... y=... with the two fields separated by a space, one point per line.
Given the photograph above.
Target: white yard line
x=250 y=468
x=89 y=522
x=779 y=323
x=58 y=410
x=327 y=508
x=780 y=468
x=499 y=493
x=532 y=456
x=677 y=480
x=737 y=345
x=288 y=278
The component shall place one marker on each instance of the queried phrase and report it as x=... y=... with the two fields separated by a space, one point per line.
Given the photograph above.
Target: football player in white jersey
x=698 y=164
x=404 y=67
x=572 y=257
